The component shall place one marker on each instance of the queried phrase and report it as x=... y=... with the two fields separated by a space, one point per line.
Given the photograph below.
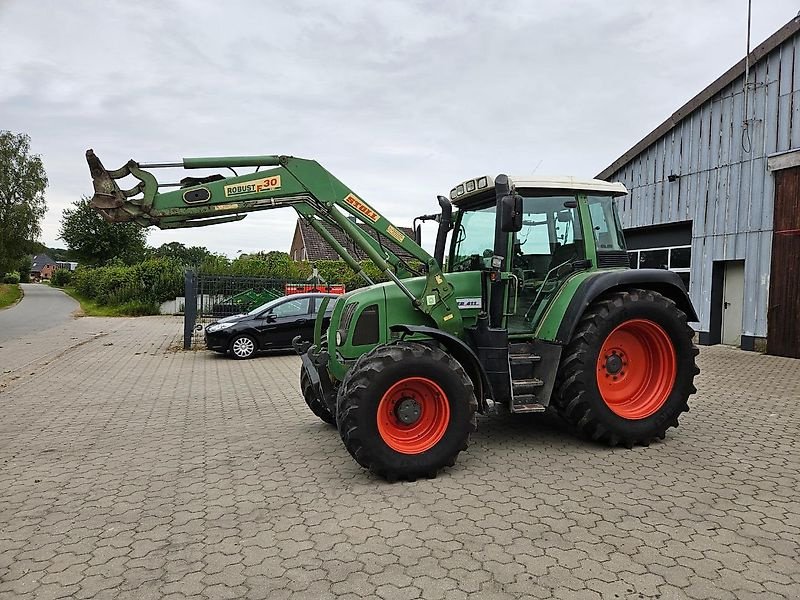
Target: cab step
x=526 y=403
x=524 y=387
x=523 y=359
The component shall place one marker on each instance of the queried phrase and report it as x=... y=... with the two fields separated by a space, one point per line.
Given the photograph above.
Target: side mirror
x=511 y=213
x=270 y=318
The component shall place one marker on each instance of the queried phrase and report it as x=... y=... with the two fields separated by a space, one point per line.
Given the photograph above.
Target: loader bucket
x=109 y=200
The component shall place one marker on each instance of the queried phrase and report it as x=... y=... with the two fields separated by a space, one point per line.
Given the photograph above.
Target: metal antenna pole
x=747 y=143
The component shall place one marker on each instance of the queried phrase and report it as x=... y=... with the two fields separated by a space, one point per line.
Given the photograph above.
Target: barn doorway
x=732 y=302
x=783 y=325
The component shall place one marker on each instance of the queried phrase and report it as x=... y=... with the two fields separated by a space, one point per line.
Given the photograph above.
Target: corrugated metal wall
x=726 y=191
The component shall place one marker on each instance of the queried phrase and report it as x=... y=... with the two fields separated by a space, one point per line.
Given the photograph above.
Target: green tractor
x=532 y=307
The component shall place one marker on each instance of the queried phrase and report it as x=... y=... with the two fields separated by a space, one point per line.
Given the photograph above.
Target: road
x=42 y=307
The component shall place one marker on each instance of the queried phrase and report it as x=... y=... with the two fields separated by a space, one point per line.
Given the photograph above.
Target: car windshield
x=266 y=306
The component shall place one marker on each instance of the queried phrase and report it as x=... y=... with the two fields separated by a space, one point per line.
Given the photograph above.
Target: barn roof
x=736 y=71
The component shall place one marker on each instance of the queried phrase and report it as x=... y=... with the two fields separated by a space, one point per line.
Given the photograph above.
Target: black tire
x=314 y=402
x=243 y=346
x=578 y=398
x=372 y=377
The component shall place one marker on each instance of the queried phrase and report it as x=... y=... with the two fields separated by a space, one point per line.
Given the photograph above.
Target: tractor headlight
x=218 y=327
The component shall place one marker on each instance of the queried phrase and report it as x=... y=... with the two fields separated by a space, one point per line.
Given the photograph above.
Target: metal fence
x=211 y=297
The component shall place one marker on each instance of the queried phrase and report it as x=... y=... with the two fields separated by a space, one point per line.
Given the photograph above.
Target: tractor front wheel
x=314 y=402
x=406 y=410
x=629 y=370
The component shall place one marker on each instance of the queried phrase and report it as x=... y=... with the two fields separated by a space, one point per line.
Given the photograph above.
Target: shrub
x=139 y=308
x=24 y=269
x=61 y=278
x=138 y=287
x=12 y=277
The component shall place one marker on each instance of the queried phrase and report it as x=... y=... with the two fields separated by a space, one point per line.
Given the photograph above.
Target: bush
x=12 y=277
x=139 y=288
x=278 y=265
x=24 y=269
x=139 y=308
x=61 y=278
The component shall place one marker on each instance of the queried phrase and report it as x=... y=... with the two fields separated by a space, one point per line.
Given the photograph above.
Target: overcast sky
x=400 y=100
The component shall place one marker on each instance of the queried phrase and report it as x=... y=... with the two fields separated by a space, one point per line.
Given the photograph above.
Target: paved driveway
x=41 y=307
x=131 y=471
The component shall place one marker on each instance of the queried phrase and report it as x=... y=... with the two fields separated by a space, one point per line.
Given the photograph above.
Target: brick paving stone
x=131 y=470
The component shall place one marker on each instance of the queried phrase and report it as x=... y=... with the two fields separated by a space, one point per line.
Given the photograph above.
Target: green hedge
x=138 y=288
x=278 y=265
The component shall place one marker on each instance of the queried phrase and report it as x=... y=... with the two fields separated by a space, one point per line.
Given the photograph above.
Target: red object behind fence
x=304 y=288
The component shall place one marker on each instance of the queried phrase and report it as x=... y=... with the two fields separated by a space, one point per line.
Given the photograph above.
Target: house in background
x=714 y=194
x=42 y=267
x=308 y=245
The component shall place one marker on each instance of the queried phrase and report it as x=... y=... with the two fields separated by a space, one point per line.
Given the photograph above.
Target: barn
x=714 y=194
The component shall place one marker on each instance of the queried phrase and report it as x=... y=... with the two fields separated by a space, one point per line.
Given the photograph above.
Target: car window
x=291 y=308
x=328 y=309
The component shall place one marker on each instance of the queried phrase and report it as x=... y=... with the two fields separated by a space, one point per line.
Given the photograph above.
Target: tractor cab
x=563 y=226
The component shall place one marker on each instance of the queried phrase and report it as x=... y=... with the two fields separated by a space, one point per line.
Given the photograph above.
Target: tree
x=189 y=256
x=22 y=202
x=57 y=254
x=94 y=241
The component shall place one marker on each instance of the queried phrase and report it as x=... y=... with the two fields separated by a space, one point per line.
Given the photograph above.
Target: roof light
x=460 y=189
x=453 y=194
x=482 y=183
x=470 y=185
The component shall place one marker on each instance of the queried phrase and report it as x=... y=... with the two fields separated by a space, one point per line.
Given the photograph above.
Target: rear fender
x=666 y=283
x=462 y=353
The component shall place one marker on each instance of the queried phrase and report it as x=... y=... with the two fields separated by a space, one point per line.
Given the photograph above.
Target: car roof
x=310 y=295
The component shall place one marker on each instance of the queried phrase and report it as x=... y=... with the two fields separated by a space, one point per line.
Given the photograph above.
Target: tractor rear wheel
x=406 y=410
x=314 y=402
x=629 y=370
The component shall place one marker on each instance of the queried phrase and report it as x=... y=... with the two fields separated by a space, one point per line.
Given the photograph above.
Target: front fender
x=462 y=353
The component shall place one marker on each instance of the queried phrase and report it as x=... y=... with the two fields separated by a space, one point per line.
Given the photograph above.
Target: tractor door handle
x=726 y=304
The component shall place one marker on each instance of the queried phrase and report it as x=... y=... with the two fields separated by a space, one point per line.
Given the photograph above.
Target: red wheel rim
x=413 y=415
x=636 y=369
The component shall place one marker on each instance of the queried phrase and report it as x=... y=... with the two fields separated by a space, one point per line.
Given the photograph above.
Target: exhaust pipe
x=445 y=225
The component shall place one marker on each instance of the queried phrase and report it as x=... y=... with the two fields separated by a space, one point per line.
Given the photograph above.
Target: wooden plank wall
x=723 y=185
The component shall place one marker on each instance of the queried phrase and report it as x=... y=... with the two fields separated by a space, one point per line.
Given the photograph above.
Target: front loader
x=532 y=306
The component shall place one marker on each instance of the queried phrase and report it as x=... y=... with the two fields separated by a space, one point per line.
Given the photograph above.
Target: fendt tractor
x=532 y=307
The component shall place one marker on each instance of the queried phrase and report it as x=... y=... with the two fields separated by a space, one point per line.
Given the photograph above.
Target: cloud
x=400 y=100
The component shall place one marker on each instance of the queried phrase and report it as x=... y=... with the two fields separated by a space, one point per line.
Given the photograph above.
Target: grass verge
x=9 y=294
x=90 y=308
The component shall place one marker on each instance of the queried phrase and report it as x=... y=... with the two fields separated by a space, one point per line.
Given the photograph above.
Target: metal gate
x=211 y=297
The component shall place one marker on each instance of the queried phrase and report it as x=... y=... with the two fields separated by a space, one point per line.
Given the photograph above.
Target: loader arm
x=304 y=185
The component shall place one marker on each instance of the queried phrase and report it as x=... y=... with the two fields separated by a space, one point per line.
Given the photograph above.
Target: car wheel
x=243 y=347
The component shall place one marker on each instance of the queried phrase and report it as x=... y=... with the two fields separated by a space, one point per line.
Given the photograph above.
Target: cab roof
x=471 y=187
